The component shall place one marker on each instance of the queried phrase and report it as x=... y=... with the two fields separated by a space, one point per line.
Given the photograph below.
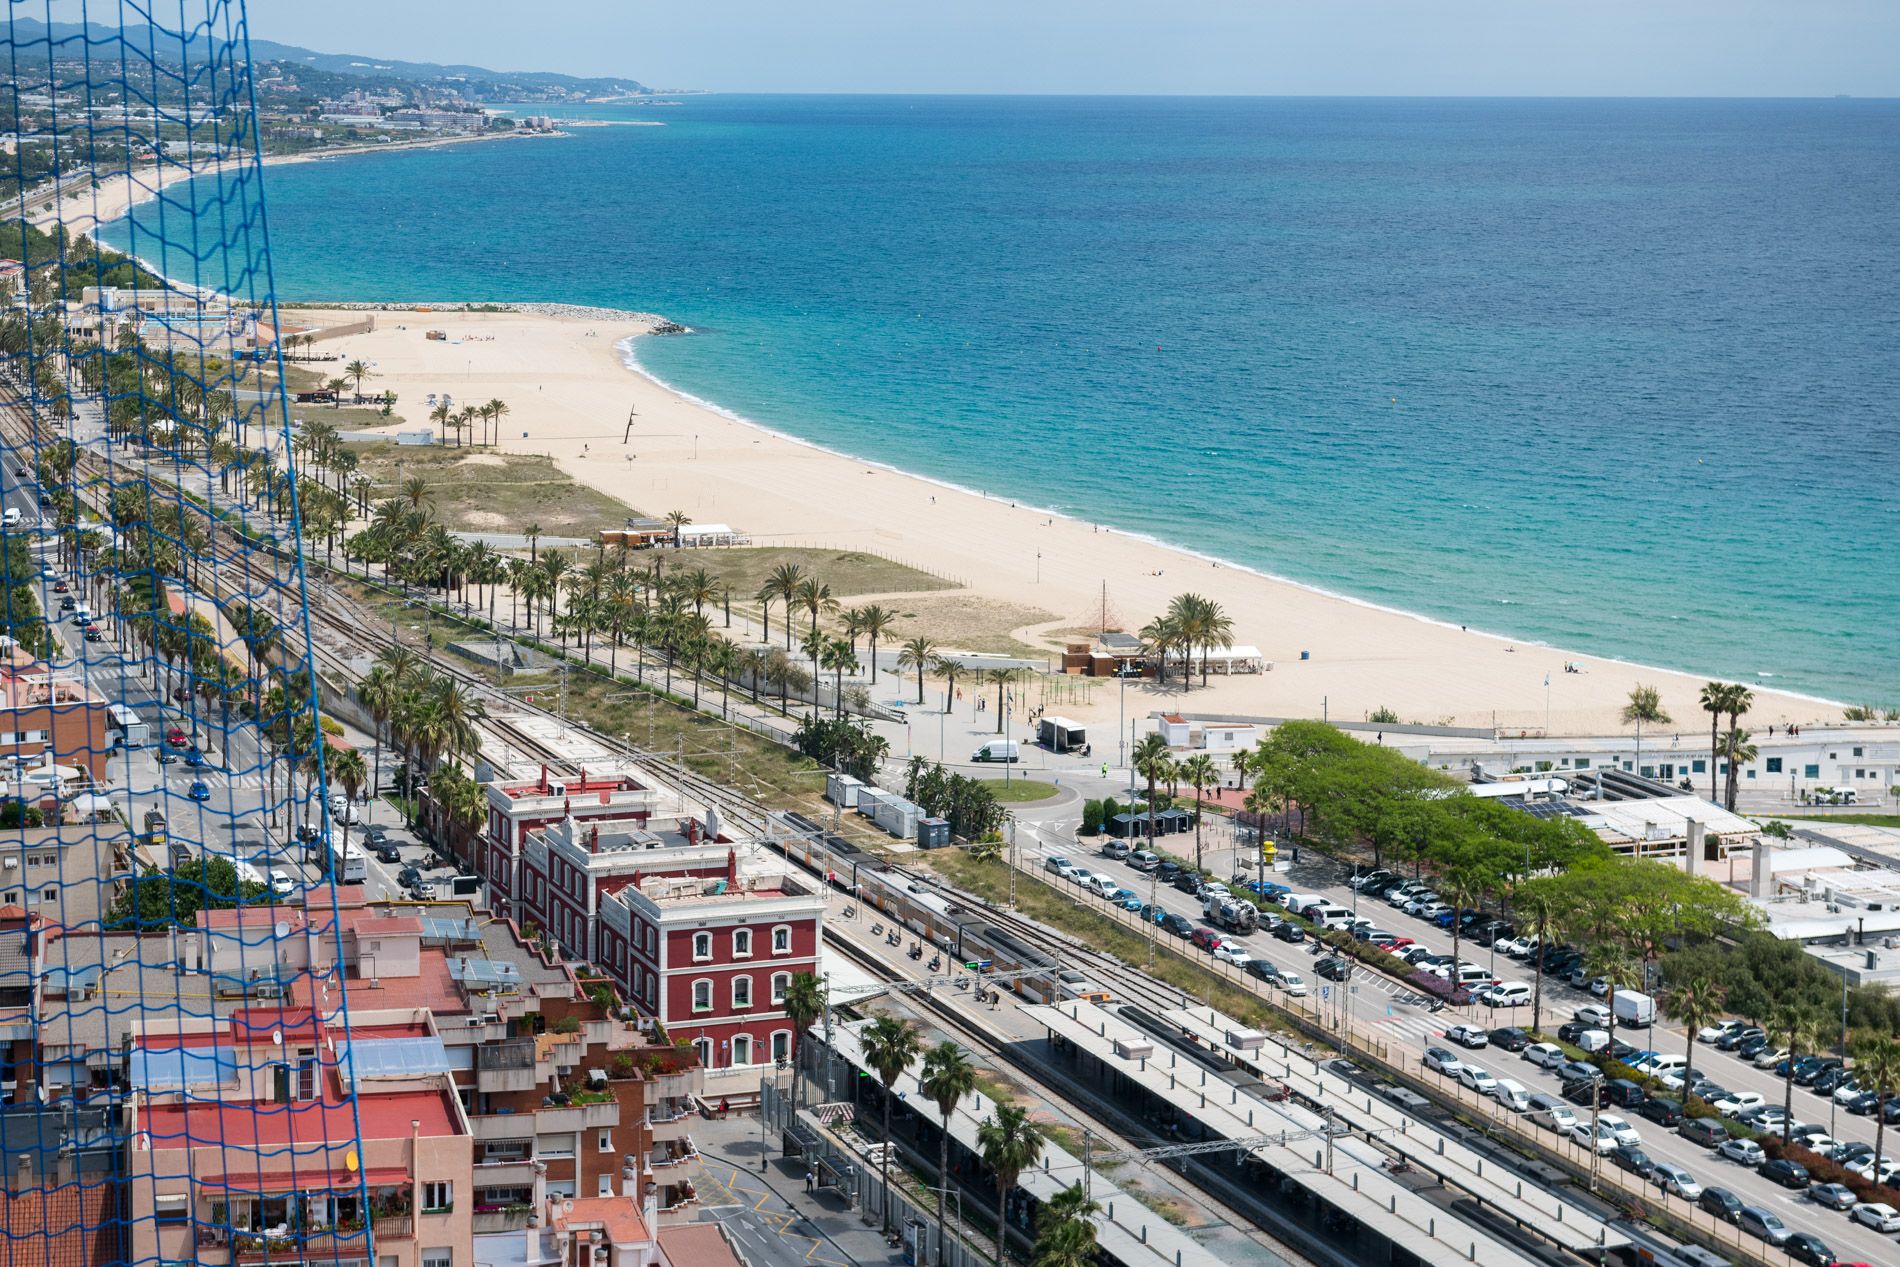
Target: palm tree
x=1463 y=886
x=948 y=1077
x=1739 y=752
x=1696 y=1003
x=1066 y=1231
x=416 y=491
x=1799 y=1028
x=1877 y=1065
x=949 y=666
x=837 y=657
x=1009 y=1143
x=533 y=533
x=889 y=1045
x=1200 y=774
x=805 y=1001
x=784 y=582
x=1003 y=680
x=1714 y=698
x=676 y=520
x=1645 y=706
x=917 y=653
x=497 y=410
x=767 y=595
x=345 y=765
x=877 y=622
x=1538 y=916
x=358 y=370
x=815 y=597
x=1151 y=761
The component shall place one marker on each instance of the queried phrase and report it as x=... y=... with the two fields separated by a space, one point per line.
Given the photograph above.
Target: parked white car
x=1744 y=1152
x=1511 y=1095
x=1508 y=994
x=1477 y=1079
x=1721 y=1029
x=1879 y=1216
x=1605 y=1138
x=1544 y=1055
x=1626 y=1135
x=1233 y=952
x=1736 y=1101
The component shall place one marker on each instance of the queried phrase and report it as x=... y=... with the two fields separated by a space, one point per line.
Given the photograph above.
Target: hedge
x=1821 y=1170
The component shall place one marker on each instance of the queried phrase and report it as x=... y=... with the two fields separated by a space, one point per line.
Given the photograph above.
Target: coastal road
x=1377 y=1008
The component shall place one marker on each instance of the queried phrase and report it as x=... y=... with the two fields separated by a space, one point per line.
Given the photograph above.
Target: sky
x=1248 y=47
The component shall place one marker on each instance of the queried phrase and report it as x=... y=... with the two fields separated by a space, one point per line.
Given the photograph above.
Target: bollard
x=1355 y=1181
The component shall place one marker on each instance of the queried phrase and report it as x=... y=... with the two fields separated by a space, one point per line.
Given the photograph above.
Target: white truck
x=1224 y=910
x=1004 y=750
x=1634 y=1010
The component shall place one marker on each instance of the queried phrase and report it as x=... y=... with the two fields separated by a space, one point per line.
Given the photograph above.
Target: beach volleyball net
x=171 y=1002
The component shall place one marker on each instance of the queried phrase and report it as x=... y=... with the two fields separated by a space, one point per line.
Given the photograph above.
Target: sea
x=1620 y=376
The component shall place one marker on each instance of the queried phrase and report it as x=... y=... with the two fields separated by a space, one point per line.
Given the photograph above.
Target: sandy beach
x=569 y=393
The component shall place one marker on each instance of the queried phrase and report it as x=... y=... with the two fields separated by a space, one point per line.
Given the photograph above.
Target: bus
x=348 y=864
x=129 y=729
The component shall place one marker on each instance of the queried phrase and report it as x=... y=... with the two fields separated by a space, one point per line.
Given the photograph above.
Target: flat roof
x=1359 y=1183
x=1134 y=1234
x=333 y=1119
x=1455 y=1165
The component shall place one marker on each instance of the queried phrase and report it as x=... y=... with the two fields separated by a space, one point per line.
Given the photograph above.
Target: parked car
x=1626 y=1134
x=386 y=852
x=1060 y=865
x=1544 y=1055
x=1548 y=1111
x=1267 y=970
x=1288 y=931
x=1835 y=1196
x=1510 y=1038
x=1179 y=925
x=1116 y=850
x=1443 y=1061
x=1744 y=1152
x=1294 y=984
x=1662 y=1111
x=1720 y=1202
x=1734 y=1038
x=1472 y=1036
x=1511 y=1095
x=1477 y=1079
x=1204 y=939
x=1634 y=1160
x=1233 y=952
x=1789 y=1174
x=1878 y=1215
x=1603 y=1139
x=1675 y=1179
x=1759 y=1221
x=1736 y=1101
x=1333 y=969
x=1508 y=994
x=1806 y=1247
x=1719 y=1030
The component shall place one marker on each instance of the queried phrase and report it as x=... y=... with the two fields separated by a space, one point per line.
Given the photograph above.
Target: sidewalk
x=768 y=1212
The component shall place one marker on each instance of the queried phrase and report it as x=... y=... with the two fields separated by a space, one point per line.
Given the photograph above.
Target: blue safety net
x=171 y=994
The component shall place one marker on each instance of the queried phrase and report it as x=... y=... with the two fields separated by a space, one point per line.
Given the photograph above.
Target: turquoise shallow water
x=1621 y=376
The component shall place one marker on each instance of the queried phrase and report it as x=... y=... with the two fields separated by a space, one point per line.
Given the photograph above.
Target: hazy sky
x=1370 y=47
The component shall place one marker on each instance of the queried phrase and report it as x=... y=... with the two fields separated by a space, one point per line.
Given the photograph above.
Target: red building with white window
x=615 y=800
x=712 y=950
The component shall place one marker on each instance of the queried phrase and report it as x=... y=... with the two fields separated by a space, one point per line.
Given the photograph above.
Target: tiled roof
x=69 y=1226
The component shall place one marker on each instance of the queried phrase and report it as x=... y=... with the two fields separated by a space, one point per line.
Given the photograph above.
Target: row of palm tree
x=1008 y=1141
x=1191 y=623
x=430 y=719
x=1730 y=750
x=488 y=415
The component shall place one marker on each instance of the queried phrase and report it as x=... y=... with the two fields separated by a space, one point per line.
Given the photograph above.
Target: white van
x=12 y=517
x=1511 y=1095
x=1302 y=903
x=1330 y=916
x=1007 y=751
x=1102 y=885
x=1592 y=1041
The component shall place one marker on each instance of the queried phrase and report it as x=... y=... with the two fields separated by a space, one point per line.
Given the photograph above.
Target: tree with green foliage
x=1695 y=1004
x=1009 y=1144
x=806 y=998
x=948 y=1077
x=1644 y=708
x=172 y=899
x=1877 y=1066
x=1065 y=1230
x=890 y=1045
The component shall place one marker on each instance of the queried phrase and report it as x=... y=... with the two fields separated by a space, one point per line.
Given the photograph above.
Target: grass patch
x=481 y=491
x=995 y=1087
x=969 y=623
x=848 y=572
x=1017 y=791
x=1168 y=1208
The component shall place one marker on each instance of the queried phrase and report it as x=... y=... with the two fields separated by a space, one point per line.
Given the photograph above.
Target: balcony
x=505 y=1125
x=576 y=1117
x=503 y=1174
x=393 y=1227
x=494 y=1080
x=667 y=1126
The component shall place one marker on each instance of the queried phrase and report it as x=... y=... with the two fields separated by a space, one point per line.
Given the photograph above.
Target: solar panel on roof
x=484 y=971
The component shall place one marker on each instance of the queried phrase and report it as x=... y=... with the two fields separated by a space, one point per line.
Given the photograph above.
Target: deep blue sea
x=1623 y=376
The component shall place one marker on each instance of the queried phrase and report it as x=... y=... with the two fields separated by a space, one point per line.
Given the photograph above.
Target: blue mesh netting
x=169 y=967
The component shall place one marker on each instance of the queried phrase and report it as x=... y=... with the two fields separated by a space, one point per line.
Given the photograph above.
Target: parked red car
x=1207 y=939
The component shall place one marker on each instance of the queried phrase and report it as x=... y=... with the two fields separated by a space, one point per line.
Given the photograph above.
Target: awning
x=311 y=1181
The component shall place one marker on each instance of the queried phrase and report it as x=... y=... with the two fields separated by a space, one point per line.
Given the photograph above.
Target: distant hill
x=482 y=81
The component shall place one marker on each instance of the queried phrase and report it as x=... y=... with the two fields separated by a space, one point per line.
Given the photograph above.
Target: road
x=1377 y=1009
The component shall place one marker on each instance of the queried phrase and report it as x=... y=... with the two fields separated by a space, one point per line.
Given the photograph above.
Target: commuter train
x=966 y=936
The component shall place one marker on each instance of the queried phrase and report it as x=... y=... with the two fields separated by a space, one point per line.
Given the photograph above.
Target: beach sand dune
x=569 y=394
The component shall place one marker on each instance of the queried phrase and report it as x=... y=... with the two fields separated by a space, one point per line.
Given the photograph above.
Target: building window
x=172 y=1209
x=702 y=995
x=782 y=1046
x=606 y=1186
x=1749 y=773
x=50 y=895
x=741 y=992
x=742 y=944
x=1774 y=765
x=1583 y=763
x=781 y=983
x=1698 y=766
x=1860 y=752
x=438 y=1197
x=1810 y=771
x=742 y=1049
x=702 y=946
x=444 y=1257
x=782 y=940
x=606 y=1141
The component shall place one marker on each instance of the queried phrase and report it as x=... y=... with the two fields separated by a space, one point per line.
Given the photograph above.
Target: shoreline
x=569 y=388
x=632 y=363
x=1226 y=694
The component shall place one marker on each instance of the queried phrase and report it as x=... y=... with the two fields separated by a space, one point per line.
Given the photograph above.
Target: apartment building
x=49 y=716
x=614 y=799
x=710 y=948
x=68 y=877
x=277 y=1135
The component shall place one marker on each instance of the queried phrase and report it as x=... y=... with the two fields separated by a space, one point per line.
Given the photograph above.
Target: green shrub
x=1091 y=818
